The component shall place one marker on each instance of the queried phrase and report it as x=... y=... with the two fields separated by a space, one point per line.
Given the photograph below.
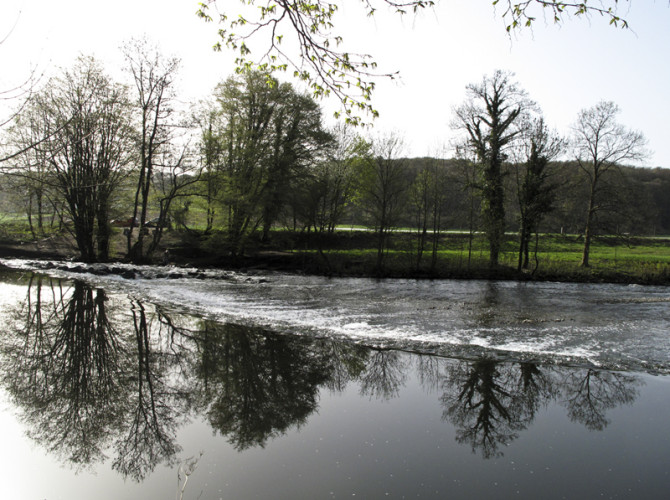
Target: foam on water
x=624 y=327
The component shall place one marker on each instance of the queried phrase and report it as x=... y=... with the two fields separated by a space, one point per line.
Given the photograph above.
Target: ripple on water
x=607 y=325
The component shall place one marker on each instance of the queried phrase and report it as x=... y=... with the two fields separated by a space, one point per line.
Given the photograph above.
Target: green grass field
x=640 y=259
x=352 y=250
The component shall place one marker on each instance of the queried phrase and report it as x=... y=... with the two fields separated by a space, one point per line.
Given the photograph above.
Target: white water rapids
x=613 y=326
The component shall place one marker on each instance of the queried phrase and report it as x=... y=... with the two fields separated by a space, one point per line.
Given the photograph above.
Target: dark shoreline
x=310 y=263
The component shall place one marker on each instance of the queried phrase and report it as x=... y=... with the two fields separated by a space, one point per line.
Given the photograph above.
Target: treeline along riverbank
x=279 y=190
x=347 y=252
x=264 y=180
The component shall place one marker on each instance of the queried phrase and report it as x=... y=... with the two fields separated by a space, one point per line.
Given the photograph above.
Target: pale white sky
x=563 y=68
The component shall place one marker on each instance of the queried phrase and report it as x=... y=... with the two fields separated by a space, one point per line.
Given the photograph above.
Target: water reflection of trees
x=384 y=374
x=153 y=407
x=588 y=394
x=485 y=405
x=60 y=366
x=90 y=377
x=94 y=374
x=490 y=402
x=79 y=380
x=255 y=385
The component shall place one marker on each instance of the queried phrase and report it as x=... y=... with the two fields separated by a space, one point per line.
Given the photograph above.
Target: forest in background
x=100 y=161
x=644 y=204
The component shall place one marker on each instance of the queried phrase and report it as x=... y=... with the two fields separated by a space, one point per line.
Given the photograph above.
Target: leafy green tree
x=383 y=186
x=329 y=188
x=207 y=119
x=600 y=146
x=299 y=142
x=535 y=190
x=270 y=136
x=246 y=104
x=490 y=118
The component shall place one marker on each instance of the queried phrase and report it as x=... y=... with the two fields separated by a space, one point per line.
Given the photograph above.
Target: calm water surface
x=276 y=386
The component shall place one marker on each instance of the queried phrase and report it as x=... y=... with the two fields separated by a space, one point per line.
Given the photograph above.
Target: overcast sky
x=563 y=68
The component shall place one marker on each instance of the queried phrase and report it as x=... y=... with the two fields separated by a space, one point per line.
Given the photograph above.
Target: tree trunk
x=380 y=250
x=587 y=229
x=103 y=235
x=522 y=238
x=29 y=213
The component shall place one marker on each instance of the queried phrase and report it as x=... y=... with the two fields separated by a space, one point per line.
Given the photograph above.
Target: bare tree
x=466 y=166
x=78 y=131
x=153 y=76
x=429 y=194
x=176 y=178
x=421 y=208
x=600 y=146
x=28 y=174
x=14 y=98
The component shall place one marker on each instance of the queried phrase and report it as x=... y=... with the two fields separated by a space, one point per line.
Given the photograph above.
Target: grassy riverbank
x=354 y=253
x=644 y=260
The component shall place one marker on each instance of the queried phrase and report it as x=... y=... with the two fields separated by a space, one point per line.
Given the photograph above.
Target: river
x=265 y=385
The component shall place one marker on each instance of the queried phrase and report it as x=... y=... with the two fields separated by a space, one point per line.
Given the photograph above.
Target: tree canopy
x=302 y=37
x=490 y=119
x=75 y=135
x=601 y=145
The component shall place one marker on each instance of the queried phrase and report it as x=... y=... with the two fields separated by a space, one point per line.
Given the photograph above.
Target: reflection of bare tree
x=152 y=407
x=384 y=374
x=61 y=370
x=588 y=394
x=83 y=385
x=346 y=362
x=254 y=384
x=489 y=402
x=477 y=401
x=535 y=388
x=428 y=369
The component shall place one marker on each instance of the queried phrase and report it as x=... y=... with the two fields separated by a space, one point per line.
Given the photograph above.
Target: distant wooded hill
x=637 y=201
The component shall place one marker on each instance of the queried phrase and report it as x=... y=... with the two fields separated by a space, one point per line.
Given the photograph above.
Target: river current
x=612 y=326
x=125 y=382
